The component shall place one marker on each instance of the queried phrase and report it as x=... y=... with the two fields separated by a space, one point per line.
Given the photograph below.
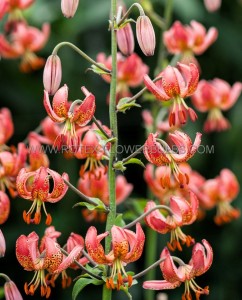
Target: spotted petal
x=69 y=260
x=60 y=188
x=160 y=285
x=156 y=89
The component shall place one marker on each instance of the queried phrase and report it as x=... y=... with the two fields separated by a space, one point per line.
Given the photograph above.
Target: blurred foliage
x=22 y=94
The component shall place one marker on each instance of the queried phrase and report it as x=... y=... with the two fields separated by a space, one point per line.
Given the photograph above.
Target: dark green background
x=22 y=94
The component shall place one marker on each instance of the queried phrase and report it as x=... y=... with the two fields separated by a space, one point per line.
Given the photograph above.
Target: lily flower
x=50 y=260
x=4 y=207
x=23 y=42
x=159 y=153
x=176 y=84
x=35 y=186
x=214 y=97
x=13 y=7
x=188 y=40
x=6 y=125
x=202 y=257
x=220 y=192
x=183 y=212
x=96 y=186
x=127 y=247
x=72 y=114
x=10 y=165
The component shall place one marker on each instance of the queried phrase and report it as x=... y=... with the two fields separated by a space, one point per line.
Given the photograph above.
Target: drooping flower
x=216 y=96
x=189 y=40
x=4 y=207
x=202 y=257
x=13 y=7
x=220 y=192
x=183 y=212
x=69 y=7
x=23 y=42
x=212 y=5
x=10 y=165
x=145 y=35
x=96 y=186
x=11 y=291
x=78 y=113
x=6 y=125
x=176 y=84
x=127 y=247
x=48 y=260
x=159 y=153
x=76 y=240
x=36 y=186
x=130 y=72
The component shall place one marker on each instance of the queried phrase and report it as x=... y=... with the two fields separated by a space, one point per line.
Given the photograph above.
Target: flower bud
x=125 y=40
x=212 y=5
x=2 y=244
x=52 y=74
x=69 y=7
x=11 y=291
x=4 y=207
x=145 y=35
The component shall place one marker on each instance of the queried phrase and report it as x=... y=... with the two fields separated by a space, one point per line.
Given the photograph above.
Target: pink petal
x=67 y=261
x=54 y=117
x=160 y=285
x=158 y=92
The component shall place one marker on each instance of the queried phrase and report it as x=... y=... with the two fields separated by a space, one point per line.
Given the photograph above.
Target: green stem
x=150 y=255
x=133 y=154
x=83 y=54
x=107 y=293
x=5 y=276
x=167 y=18
x=141 y=217
x=141 y=12
x=79 y=193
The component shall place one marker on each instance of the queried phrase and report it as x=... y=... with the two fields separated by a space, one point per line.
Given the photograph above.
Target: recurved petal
x=84 y=113
x=21 y=183
x=67 y=261
x=53 y=256
x=233 y=96
x=60 y=102
x=54 y=117
x=156 y=89
x=170 y=82
x=160 y=285
x=120 y=244
x=40 y=187
x=201 y=260
x=191 y=76
x=170 y=272
x=136 y=243
x=183 y=143
x=154 y=152
x=24 y=257
x=59 y=188
x=94 y=247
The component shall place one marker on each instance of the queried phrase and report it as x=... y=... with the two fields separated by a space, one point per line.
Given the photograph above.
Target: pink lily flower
x=6 y=125
x=11 y=6
x=127 y=247
x=189 y=40
x=159 y=153
x=216 y=96
x=24 y=41
x=183 y=212
x=72 y=115
x=4 y=207
x=176 y=84
x=35 y=186
x=220 y=192
x=50 y=259
x=202 y=257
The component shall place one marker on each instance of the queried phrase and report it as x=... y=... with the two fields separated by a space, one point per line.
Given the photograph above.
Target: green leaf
x=82 y=283
x=99 y=205
x=119 y=221
x=97 y=70
x=135 y=161
x=125 y=104
x=119 y=166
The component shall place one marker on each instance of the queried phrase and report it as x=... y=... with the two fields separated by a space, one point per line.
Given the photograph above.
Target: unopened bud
x=52 y=74
x=4 y=207
x=212 y=5
x=69 y=7
x=125 y=39
x=2 y=244
x=145 y=35
x=11 y=291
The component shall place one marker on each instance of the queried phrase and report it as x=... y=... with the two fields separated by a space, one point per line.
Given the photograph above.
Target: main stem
x=107 y=293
